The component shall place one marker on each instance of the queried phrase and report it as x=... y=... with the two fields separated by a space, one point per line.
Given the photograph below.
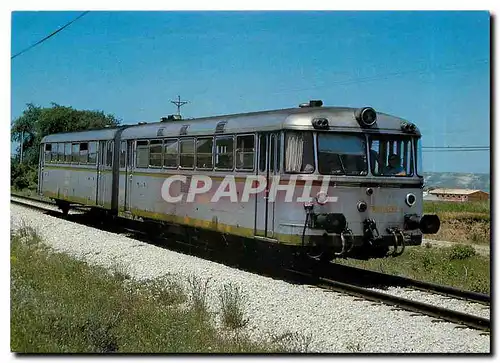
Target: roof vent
x=184 y=129
x=221 y=125
x=312 y=103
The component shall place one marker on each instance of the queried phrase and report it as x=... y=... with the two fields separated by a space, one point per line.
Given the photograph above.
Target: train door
x=104 y=173
x=268 y=166
x=129 y=174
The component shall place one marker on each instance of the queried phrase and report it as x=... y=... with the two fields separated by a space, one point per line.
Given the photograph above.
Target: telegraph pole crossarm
x=179 y=103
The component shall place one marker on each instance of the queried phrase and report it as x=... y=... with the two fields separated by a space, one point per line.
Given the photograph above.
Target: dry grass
x=467 y=222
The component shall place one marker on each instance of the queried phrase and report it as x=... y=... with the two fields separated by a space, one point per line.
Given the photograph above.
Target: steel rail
x=453 y=316
x=400 y=281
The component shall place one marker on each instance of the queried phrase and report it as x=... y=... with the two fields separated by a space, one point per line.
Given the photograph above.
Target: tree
x=37 y=122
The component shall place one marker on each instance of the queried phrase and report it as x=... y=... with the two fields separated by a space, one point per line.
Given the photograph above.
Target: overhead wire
x=50 y=35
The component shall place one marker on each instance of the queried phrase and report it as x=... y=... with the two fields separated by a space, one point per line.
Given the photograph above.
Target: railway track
x=453 y=316
x=353 y=281
x=368 y=278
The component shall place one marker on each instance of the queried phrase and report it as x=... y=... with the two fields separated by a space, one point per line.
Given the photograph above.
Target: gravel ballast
x=323 y=321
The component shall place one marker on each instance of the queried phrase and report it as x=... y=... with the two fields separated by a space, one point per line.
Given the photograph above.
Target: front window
x=391 y=156
x=420 y=169
x=341 y=154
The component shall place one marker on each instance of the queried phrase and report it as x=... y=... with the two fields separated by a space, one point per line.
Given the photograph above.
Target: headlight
x=410 y=199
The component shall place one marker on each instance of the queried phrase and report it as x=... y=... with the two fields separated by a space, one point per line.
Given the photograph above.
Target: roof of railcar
x=102 y=134
x=340 y=118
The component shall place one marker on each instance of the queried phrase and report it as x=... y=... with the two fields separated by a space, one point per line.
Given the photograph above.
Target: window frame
x=314 y=148
x=177 y=159
x=161 y=153
x=236 y=151
x=390 y=139
x=366 y=151
x=219 y=137
x=212 y=155
x=136 y=154
x=184 y=139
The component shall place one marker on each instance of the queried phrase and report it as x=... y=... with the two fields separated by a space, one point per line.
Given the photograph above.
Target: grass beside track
x=464 y=222
x=61 y=305
x=458 y=266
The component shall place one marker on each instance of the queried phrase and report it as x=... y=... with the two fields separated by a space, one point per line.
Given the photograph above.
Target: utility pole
x=179 y=103
x=22 y=144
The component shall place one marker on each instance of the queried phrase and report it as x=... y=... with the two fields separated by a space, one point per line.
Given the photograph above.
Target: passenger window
x=245 y=152
x=224 y=152
x=75 y=153
x=67 y=152
x=84 y=153
x=53 y=157
x=123 y=150
x=171 y=153
x=48 y=152
x=262 y=153
x=109 y=153
x=155 y=153
x=142 y=154
x=93 y=152
x=204 y=148
x=187 y=153
x=60 y=152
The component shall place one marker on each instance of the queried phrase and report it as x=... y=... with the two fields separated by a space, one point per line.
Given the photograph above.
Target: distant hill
x=457 y=180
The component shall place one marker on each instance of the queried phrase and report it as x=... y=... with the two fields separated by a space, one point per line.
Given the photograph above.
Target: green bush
x=23 y=176
x=461 y=252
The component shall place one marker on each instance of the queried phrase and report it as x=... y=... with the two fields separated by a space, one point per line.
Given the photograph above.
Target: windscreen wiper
x=342 y=164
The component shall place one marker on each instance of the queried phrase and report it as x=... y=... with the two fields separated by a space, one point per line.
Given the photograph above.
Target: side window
x=204 y=146
x=53 y=157
x=67 y=152
x=48 y=152
x=187 y=153
x=155 y=153
x=142 y=154
x=224 y=152
x=109 y=153
x=262 y=152
x=245 y=152
x=93 y=152
x=75 y=153
x=171 y=153
x=123 y=151
x=299 y=152
x=60 y=152
x=84 y=152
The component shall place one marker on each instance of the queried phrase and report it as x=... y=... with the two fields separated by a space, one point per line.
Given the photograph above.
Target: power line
x=452 y=150
x=456 y=147
x=50 y=35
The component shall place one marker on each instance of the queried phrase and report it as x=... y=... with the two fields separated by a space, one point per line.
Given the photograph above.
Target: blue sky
x=432 y=68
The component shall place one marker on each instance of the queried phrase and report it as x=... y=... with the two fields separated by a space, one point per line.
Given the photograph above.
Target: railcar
x=322 y=181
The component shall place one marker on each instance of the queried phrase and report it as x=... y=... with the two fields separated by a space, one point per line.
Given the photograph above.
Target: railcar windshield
x=391 y=155
x=342 y=154
x=420 y=170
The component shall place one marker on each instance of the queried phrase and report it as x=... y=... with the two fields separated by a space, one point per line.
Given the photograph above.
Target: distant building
x=459 y=195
